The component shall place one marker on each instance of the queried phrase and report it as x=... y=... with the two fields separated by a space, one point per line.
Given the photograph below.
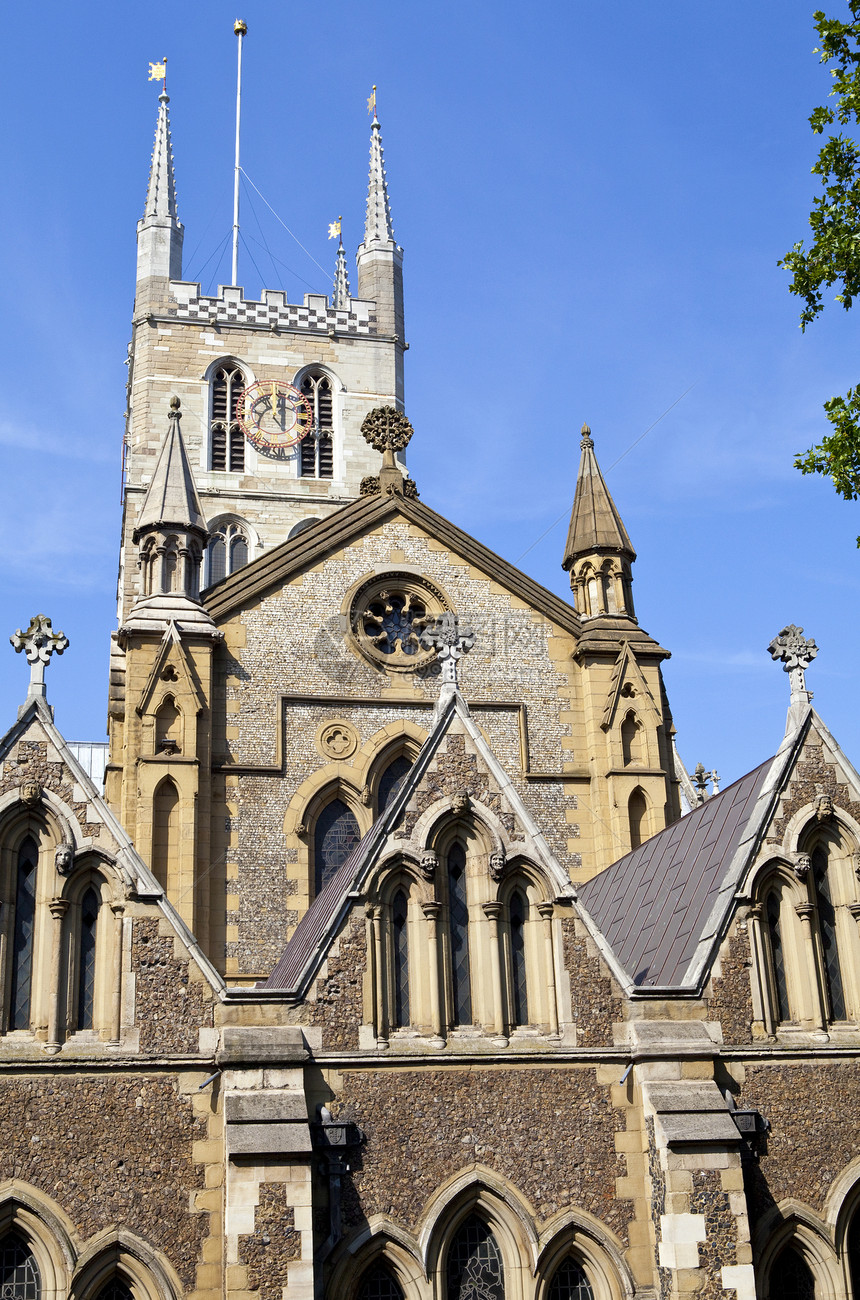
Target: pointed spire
x=341 y=279
x=171 y=499
x=159 y=231
x=161 y=192
x=378 y=228
x=595 y=524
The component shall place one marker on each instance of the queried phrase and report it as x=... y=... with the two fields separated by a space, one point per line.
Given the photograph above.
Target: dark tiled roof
x=652 y=905
x=313 y=926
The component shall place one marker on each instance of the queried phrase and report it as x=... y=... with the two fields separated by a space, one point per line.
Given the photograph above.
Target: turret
x=379 y=258
x=159 y=231
x=598 y=554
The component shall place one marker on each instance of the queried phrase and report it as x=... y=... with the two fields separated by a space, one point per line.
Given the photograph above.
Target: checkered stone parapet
x=231 y=308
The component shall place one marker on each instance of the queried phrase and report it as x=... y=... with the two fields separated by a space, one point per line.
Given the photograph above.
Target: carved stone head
x=823 y=808
x=460 y=802
x=429 y=863
x=802 y=863
x=31 y=793
x=64 y=857
x=497 y=864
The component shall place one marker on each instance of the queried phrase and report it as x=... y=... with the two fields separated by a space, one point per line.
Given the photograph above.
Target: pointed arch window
x=458 y=929
x=87 y=958
x=790 y=1277
x=335 y=836
x=228 y=551
x=391 y=781
x=400 y=958
x=23 y=935
x=115 y=1289
x=637 y=816
x=570 y=1282
x=777 y=954
x=226 y=439
x=19 y=1272
x=827 y=928
x=474 y=1269
x=379 y=1283
x=316 y=451
x=517 y=917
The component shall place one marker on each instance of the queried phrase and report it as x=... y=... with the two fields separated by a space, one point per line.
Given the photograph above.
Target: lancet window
x=87 y=958
x=827 y=927
x=773 y=922
x=115 y=1289
x=570 y=1282
x=517 y=916
x=637 y=815
x=335 y=836
x=226 y=439
x=379 y=1283
x=23 y=935
x=458 y=931
x=400 y=957
x=316 y=450
x=474 y=1269
x=391 y=781
x=19 y=1272
x=790 y=1277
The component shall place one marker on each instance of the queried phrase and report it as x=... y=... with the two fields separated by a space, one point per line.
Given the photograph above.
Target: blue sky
x=592 y=199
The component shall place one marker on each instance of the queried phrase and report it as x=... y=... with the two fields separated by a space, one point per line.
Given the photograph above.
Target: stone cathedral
x=388 y=952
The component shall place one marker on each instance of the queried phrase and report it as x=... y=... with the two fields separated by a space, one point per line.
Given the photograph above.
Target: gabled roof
x=337 y=530
x=653 y=904
x=309 y=944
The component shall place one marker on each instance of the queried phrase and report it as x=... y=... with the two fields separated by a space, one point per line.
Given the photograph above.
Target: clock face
x=276 y=417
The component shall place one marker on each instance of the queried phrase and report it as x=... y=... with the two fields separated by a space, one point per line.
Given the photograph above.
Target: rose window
x=387 y=615
x=394 y=621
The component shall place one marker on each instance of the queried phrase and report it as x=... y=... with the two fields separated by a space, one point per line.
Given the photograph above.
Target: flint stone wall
x=170 y=1008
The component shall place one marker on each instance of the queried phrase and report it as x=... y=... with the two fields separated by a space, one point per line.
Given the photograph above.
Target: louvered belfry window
x=23 y=935
x=226 y=438
x=474 y=1269
x=19 y=1272
x=87 y=959
x=458 y=922
x=317 y=449
x=335 y=836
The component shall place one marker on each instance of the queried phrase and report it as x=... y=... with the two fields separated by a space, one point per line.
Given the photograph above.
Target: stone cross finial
x=797 y=653
x=39 y=642
x=450 y=640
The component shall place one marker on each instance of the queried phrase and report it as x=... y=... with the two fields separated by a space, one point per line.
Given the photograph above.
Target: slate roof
x=652 y=905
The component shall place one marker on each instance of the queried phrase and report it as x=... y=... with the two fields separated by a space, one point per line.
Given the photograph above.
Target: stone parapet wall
x=273 y=311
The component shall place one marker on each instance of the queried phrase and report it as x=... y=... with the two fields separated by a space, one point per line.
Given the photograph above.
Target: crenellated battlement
x=273 y=312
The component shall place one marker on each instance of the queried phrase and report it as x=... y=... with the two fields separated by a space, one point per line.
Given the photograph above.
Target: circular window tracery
x=387 y=615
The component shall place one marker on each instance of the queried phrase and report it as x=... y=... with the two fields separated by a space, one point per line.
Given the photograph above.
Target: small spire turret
x=598 y=553
x=159 y=231
x=341 y=294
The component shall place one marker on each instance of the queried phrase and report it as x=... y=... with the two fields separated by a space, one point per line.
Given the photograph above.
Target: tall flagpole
x=240 y=29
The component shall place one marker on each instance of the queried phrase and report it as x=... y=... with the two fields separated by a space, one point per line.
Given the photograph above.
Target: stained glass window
x=19 y=1273
x=335 y=836
x=392 y=779
x=115 y=1289
x=400 y=947
x=23 y=934
x=87 y=959
x=827 y=926
x=570 y=1282
x=774 y=929
x=790 y=1278
x=379 y=1283
x=518 y=915
x=458 y=914
x=393 y=622
x=474 y=1269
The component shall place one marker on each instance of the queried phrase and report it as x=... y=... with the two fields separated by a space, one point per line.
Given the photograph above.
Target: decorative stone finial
x=386 y=429
x=586 y=439
x=450 y=640
x=797 y=653
x=175 y=404
x=39 y=642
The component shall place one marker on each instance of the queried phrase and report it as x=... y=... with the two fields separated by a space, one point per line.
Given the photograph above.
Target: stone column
x=58 y=907
x=118 y=910
x=431 y=912
x=545 y=910
x=379 y=980
x=806 y=911
x=493 y=911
